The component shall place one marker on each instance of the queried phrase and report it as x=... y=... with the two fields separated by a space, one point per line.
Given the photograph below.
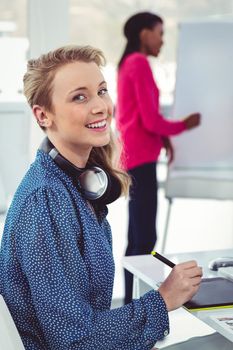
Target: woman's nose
x=99 y=105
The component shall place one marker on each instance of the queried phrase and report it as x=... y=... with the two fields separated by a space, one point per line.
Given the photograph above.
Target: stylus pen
x=163 y=259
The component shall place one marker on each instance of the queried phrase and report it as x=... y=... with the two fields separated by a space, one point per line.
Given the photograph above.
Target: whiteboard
x=203 y=165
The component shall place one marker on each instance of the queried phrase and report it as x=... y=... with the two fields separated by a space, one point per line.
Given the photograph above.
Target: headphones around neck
x=94 y=183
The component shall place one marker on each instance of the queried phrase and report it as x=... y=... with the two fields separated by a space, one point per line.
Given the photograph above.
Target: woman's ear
x=41 y=116
x=143 y=35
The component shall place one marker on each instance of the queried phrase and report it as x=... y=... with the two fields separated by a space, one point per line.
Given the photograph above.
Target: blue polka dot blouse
x=57 y=271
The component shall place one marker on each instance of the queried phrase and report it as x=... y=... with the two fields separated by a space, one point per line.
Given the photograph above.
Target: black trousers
x=142 y=217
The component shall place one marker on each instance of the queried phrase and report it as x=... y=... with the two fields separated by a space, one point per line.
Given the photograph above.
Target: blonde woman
x=56 y=260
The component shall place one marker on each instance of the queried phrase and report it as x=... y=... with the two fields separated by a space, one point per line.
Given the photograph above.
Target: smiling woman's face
x=82 y=109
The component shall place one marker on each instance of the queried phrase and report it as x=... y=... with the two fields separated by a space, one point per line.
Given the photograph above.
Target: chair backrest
x=9 y=336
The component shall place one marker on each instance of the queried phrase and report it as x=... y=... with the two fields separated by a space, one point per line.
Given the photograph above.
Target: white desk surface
x=151 y=271
x=183 y=326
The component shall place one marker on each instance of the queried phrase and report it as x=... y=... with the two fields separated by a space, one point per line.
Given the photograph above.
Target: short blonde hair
x=41 y=71
x=38 y=87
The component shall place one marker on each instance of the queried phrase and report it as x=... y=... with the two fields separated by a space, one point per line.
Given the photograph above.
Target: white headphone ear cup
x=94 y=183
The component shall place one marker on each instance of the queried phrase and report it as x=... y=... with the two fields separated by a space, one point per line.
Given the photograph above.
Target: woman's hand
x=169 y=149
x=192 y=121
x=181 y=284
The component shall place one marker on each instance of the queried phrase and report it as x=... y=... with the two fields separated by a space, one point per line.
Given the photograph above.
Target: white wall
x=195 y=225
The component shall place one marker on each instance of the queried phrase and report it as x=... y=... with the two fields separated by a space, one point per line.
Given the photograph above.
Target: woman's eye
x=79 y=97
x=103 y=91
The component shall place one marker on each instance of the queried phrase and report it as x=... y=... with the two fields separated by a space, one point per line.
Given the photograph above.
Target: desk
x=148 y=271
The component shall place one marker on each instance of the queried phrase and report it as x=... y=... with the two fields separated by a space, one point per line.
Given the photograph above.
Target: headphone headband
x=63 y=163
x=95 y=183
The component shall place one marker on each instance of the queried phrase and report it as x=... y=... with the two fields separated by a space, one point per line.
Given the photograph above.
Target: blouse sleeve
x=147 y=95
x=48 y=240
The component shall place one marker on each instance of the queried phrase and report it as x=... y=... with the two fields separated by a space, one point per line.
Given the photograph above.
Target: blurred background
x=31 y=27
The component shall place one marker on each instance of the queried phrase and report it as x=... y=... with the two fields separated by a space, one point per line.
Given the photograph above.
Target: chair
x=9 y=336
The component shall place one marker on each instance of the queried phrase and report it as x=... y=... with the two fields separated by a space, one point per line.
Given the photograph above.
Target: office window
x=99 y=23
x=13 y=47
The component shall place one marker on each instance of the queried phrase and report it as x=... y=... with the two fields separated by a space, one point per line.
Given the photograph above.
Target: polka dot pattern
x=57 y=271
